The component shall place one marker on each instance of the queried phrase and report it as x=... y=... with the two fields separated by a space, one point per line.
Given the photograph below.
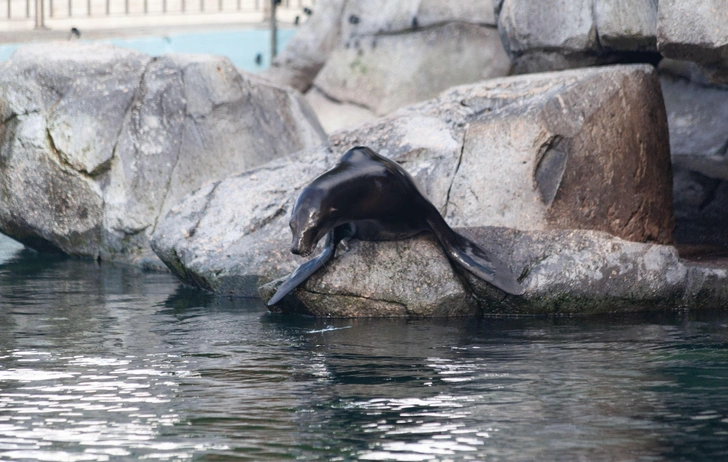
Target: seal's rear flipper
x=302 y=273
x=482 y=263
x=306 y=270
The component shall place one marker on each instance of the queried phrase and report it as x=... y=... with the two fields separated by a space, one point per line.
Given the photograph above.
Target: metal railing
x=40 y=10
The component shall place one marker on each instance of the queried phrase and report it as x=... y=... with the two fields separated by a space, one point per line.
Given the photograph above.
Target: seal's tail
x=477 y=260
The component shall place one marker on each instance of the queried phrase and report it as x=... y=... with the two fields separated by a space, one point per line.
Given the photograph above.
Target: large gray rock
x=230 y=236
x=98 y=142
x=700 y=209
x=369 y=57
x=565 y=272
x=697 y=114
x=307 y=52
x=507 y=152
x=366 y=18
x=409 y=278
x=695 y=31
x=557 y=34
x=385 y=71
x=524 y=164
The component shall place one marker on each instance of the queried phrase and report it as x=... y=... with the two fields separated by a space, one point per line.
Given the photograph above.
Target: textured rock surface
x=505 y=152
x=335 y=115
x=697 y=114
x=695 y=31
x=229 y=236
x=97 y=142
x=588 y=32
x=410 y=278
x=700 y=208
x=523 y=164
x=382 y=72
x=369 y=57
x=307 y=52
x=569 y=272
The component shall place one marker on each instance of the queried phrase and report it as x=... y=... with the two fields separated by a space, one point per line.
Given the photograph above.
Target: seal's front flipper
x=482 y=263
x=302 y=273
x=306 y=270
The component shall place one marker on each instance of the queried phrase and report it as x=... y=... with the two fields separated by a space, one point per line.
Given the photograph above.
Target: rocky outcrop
x=98 y=142
x=378 y=55
x=564 y=272
x=307 y=52
x=697 y=114
x=510 y=152
x=383 y=71
x=695 y=31
x=409 y=278
x=553 y=35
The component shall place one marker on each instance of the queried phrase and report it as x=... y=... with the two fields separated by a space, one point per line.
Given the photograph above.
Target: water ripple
x=101 y=363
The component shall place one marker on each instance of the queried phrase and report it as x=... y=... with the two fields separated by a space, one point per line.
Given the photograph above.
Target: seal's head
x=311 y=219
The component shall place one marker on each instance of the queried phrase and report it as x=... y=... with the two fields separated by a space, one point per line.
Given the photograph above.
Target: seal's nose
x=297 y=245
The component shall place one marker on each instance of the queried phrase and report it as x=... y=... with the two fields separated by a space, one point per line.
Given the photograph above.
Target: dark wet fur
x=369 y=197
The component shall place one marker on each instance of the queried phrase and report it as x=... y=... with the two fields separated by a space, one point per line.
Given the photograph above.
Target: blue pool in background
x=240 y=45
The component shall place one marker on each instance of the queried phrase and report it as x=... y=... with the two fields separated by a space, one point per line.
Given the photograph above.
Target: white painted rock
x=98 y=142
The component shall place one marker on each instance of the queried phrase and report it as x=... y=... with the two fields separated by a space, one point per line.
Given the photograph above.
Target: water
x=241 y=46
x=103 y=362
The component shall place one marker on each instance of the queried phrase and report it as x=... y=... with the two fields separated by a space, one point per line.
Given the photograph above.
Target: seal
x=372 y=198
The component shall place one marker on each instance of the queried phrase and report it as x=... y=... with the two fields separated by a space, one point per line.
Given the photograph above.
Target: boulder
x=697 y=114
x=385 y=71
x=537 y=138
x=409 y=278
x=507 y=152
x=700 y=210
x=695 y=31
x=98 y=142
x=565 y=272
x=588 y=33
x=306 y=53
x=230 y=236
x=366 y=58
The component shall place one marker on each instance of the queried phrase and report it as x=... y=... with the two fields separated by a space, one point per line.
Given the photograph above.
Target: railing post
x=39 y=14
x=273 y=30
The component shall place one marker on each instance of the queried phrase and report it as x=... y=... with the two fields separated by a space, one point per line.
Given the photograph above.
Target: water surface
x=242 y=46
x=104 y=362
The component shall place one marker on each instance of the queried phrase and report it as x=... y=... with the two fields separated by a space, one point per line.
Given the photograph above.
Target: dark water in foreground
x=99 y=362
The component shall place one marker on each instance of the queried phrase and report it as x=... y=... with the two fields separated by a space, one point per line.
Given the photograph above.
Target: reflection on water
x=102 y=362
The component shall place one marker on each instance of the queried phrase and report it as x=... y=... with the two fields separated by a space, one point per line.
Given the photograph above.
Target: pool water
x=241 y=46
x=105 y=362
